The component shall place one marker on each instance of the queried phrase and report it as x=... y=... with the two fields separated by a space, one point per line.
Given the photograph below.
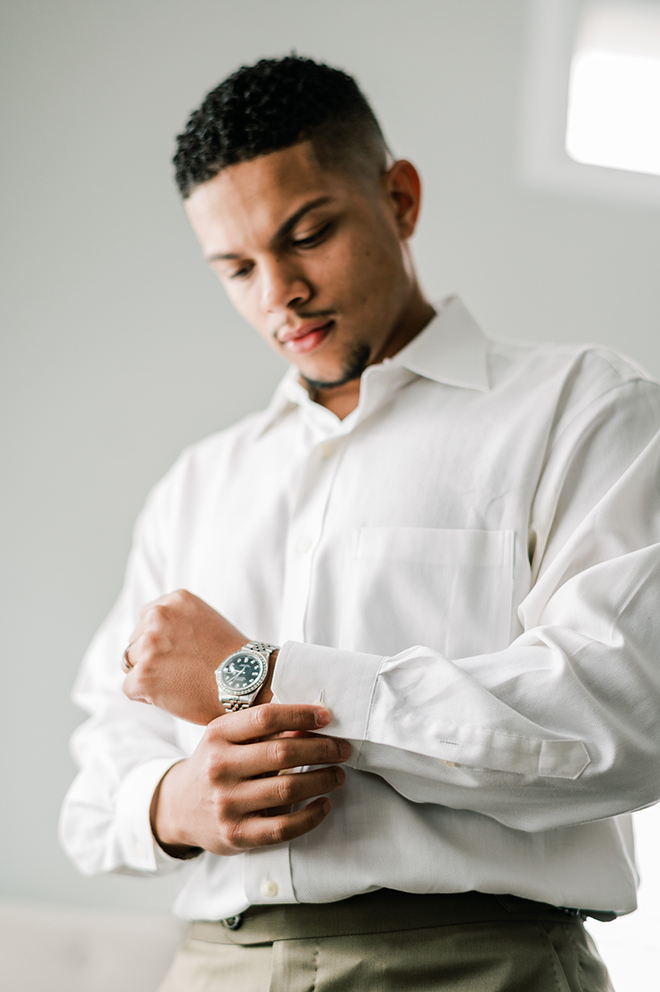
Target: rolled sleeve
x=559 y=727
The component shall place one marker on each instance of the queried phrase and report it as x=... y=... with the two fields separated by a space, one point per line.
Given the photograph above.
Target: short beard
x=356 y=363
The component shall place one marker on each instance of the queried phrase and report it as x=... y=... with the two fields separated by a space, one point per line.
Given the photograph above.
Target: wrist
x=164 y=827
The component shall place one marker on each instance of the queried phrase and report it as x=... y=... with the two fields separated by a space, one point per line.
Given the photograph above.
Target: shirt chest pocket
x=450 y=590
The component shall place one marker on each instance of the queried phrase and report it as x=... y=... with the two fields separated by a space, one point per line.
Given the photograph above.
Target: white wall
x=118 y=347
x=47 y=949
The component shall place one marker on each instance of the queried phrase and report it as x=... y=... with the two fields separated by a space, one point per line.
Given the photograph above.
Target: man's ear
x=404 y=189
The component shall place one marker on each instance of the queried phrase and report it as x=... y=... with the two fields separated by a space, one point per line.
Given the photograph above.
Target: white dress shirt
x=466 y=571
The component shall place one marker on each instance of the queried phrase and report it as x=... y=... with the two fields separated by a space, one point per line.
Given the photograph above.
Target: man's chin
x=353 y=367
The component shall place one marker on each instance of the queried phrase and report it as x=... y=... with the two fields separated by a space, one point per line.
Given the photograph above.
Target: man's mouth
x=302 y=340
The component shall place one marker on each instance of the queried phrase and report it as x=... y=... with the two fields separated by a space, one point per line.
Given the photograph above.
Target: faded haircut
x=275 y=104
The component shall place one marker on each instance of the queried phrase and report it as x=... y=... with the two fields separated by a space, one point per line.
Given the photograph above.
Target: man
x=438 y=550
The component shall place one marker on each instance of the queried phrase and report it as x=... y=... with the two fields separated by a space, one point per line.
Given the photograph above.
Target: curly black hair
x=274 y=104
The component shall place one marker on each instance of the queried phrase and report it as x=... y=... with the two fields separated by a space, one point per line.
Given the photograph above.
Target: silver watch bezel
x=254 y=686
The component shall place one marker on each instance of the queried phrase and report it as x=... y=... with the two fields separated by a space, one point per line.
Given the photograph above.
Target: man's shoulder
x=243 y=432
x=588 y=362
x=210 y=458
x=554 y=387
x=570 y=376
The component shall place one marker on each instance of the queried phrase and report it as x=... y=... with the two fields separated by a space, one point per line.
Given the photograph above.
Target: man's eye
x=312 y=239
x=241 y=273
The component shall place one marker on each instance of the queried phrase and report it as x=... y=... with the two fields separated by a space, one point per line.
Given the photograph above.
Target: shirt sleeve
x=560 y=727
x=125 y=747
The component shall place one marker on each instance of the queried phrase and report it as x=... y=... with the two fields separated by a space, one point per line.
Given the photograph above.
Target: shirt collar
x=452 y=349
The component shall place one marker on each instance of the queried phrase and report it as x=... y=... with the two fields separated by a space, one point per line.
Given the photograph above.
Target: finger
x=148 y=607
x=284 y=790
x=135 y=640
x=267 y=757
x=264 y=831
x=270 y=718
x=138 y=630
x=290 y=733
x=132 y=688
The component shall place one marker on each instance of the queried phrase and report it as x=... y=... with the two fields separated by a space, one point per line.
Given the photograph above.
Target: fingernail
x=344 y=749
x=322 y=717
x=340 y=775
x=326 y=805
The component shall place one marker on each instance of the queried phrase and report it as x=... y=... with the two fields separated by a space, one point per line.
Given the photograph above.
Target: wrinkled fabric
x=465 y=570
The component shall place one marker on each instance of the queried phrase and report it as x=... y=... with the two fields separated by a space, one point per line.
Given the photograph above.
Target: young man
x=424 y=581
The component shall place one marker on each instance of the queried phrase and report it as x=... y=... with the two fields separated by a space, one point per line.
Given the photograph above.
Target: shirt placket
x=267 y=871
x=306 y=532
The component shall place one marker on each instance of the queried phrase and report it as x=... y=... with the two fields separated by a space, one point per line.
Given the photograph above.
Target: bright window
x=614 y=93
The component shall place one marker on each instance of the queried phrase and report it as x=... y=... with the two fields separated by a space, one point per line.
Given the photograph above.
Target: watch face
x=241 y=672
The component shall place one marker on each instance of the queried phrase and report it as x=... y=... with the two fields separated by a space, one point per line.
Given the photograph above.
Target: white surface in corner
x=47 y=948
x=630 y=946
x=614 y=96
x=543 y=161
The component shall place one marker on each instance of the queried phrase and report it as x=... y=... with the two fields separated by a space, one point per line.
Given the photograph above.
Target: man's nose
x=283 y=286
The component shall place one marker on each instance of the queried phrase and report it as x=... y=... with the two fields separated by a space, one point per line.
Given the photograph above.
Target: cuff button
x=269 y=888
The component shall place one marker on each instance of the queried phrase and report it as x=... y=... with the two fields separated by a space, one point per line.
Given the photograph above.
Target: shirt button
x=304 y=544
x=327 y=449
x=269 y=888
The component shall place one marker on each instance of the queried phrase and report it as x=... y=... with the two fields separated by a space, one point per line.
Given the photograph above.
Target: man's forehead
x=256 y=197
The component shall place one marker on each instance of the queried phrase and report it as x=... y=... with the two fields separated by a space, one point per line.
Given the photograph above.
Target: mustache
x=307 y=315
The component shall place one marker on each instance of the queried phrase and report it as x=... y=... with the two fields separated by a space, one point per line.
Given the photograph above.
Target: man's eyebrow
x=282 y=231
x=288 y=225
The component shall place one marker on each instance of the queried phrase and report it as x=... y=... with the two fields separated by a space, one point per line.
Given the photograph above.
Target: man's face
x=312 y=259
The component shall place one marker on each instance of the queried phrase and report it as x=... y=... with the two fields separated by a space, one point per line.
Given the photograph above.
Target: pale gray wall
x=119 y=349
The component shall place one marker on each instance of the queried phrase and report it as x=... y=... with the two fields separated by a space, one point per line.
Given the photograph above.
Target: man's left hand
x=174 y=652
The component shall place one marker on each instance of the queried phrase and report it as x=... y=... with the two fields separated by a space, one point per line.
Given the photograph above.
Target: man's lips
x=305 y=339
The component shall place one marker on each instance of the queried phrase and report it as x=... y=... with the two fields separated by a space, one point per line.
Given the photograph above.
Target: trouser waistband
x=374 y=912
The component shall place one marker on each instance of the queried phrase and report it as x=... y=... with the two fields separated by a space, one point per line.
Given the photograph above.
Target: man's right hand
x=220 y=798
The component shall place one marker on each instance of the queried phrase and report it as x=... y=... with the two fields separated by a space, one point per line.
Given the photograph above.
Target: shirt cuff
x=140 y=849
x=343 y=681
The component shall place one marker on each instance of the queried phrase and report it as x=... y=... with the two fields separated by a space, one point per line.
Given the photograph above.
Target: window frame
x=543 y=162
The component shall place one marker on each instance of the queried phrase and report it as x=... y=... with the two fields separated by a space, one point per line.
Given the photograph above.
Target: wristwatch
x=242 y=674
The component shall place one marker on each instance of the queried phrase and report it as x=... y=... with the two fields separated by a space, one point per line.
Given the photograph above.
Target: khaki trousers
x=390 y=942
